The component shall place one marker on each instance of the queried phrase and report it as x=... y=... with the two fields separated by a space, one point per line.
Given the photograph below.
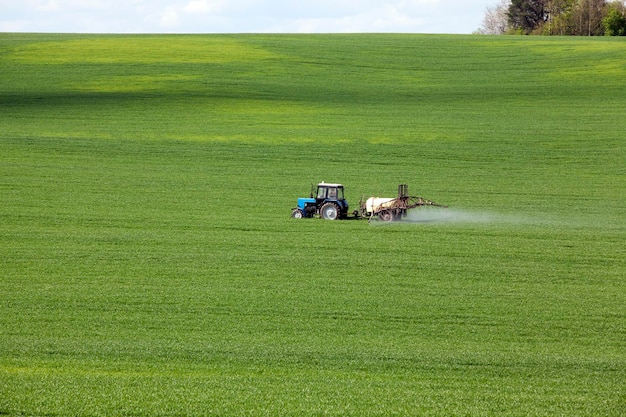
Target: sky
x=243 y=16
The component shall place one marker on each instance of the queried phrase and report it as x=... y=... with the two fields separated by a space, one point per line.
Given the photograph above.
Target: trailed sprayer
x=394 y=208
x=328 y=202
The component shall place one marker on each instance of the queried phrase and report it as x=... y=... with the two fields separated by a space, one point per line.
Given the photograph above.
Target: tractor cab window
x=331 y=193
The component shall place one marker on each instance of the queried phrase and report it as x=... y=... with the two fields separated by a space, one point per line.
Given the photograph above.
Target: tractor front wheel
x=329 y=211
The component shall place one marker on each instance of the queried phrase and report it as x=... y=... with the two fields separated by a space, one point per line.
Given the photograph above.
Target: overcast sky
x=242 y=16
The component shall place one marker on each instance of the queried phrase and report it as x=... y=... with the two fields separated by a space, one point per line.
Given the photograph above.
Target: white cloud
x=243 y=16
x=203 y=6
x=169 y=17
x=46 y=6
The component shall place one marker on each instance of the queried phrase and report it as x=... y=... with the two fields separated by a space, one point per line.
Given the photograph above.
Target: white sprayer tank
x=376 y=204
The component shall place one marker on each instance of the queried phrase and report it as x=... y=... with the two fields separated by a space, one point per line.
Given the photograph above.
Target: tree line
x=556 y=17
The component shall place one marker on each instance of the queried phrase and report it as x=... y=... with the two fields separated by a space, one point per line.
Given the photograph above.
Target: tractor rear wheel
x=330 y=211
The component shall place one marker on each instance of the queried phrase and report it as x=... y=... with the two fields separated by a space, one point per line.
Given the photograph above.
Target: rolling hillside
x=149 y=266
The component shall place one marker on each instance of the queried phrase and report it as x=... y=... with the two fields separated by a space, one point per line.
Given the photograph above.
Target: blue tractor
x=328 y=202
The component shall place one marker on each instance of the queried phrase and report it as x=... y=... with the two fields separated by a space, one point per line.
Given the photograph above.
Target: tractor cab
x=327 y=201
x=329 y=191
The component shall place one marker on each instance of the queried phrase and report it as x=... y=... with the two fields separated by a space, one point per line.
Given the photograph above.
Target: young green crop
x=149 y=265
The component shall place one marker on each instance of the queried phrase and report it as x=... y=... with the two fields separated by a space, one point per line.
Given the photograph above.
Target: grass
x=149 y=265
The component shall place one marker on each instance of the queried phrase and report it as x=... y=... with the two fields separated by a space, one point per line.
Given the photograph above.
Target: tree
x=496 y=20
x=587 y=17
x=527 y=16
x=559 y=17
x=556 y=17
x=614 y=22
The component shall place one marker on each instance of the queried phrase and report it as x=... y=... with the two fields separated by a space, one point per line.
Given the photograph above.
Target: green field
x=149 y=265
